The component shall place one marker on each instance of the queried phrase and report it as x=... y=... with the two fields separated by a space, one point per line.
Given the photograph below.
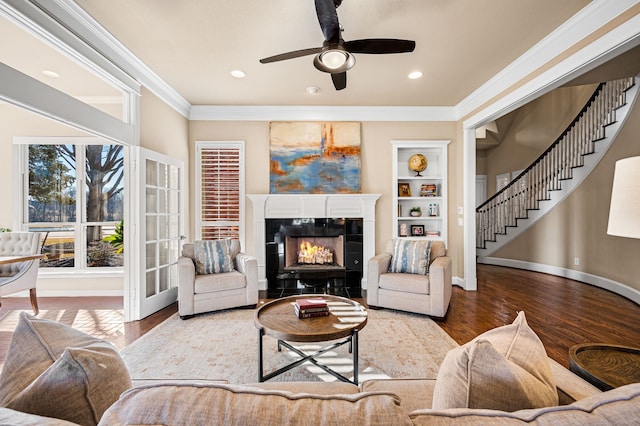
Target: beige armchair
x=424 y=294
x=198 y=293
x=15 y=277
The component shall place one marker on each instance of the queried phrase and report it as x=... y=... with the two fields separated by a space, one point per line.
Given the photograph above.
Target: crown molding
x=45 y=25
x=83 y=33
x=587 y=21
x=315 y=113
x=620 y=39
x=93 y=35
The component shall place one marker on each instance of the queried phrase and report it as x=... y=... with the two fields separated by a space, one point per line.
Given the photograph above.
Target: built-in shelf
x=432 y=223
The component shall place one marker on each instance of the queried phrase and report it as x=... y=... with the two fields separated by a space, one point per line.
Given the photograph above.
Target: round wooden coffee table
x=278 y=319
x=605 y=366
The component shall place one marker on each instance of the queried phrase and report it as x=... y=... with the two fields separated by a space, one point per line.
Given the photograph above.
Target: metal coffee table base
x=353 y=348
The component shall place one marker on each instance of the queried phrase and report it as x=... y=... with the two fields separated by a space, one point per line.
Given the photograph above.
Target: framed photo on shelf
x=404 y=190
x=417 y=230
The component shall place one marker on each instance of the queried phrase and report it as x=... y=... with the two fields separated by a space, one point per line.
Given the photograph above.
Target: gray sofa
x=45 y=382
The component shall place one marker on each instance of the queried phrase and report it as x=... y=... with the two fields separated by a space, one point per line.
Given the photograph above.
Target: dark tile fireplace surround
x=337 y=270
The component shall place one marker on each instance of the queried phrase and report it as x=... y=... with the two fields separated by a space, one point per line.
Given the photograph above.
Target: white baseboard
x=460 y=282
x=605 y=283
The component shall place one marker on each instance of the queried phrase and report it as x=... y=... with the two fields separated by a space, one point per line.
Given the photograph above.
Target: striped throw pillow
x=410 y=256
x=213 y=256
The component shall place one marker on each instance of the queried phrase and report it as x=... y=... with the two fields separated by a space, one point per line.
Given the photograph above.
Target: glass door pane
x=163 y=229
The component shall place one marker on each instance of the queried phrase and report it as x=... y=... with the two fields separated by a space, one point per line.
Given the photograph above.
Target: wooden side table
x=605 y=366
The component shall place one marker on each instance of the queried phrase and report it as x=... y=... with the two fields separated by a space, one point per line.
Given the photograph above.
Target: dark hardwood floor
x=562 y=312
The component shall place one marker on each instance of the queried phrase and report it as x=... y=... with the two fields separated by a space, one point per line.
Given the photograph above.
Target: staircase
x=558 y=171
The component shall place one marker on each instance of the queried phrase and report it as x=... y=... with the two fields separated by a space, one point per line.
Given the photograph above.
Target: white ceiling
x=460 y=44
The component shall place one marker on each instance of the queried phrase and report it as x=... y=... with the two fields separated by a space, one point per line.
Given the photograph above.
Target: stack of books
x=428 y=190
x=307 y=308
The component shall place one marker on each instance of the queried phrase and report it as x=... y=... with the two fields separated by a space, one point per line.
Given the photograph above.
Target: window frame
x=80 y=225
x=220 y=145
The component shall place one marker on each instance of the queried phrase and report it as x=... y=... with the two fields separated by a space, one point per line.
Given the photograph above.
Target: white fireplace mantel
x=280 y=206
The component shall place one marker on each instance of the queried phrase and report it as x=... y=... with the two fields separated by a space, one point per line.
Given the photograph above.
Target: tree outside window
x=84 y=231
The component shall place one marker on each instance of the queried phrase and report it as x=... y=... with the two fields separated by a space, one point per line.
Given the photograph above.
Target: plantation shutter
x=221 y=190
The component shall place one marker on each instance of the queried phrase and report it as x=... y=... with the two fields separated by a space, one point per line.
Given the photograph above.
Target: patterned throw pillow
x=213 y=256
x=410 y=257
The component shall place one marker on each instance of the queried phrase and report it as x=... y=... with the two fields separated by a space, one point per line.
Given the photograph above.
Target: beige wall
x=163 y=129
x=376 y=164
x=578 y=226
x=527 y=132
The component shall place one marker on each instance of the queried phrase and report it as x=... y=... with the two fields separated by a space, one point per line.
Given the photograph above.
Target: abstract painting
x=314 y=158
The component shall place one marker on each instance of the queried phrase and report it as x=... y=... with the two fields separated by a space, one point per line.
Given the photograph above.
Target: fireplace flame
x=309 y=253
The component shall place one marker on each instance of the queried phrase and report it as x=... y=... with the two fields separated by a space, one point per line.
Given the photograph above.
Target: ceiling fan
x=336 y=55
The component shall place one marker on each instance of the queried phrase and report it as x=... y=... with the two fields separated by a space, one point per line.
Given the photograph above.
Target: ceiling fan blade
x=291 y=55
x=328 y=19
x=380 y=45
x=339 y=80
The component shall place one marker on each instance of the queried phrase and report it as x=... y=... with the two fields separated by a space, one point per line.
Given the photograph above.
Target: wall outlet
x=576 y=261
x=460 y=210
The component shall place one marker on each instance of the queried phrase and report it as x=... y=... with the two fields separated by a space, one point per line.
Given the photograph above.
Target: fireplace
x=314 y=252
x=314 y=255
x=356 y=214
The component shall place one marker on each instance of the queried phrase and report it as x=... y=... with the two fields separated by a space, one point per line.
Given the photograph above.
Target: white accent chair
x=423 y=294
x=15 y=277
x=212 y=292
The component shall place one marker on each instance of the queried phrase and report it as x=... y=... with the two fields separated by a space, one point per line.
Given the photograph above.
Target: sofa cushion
x=18 y=418
x=219 y=404
x=316 y=388
x=408 y=283
x=414 y=394
x=212 y=283
x=213 y=256
x=503 y=369
x=53 y=370
x=619 y=406
x=410 y=256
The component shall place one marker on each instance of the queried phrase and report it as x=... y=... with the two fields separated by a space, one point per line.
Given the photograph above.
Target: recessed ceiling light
x=51 y=74
x=313 y=90
x=415 y=75
x=238 y=74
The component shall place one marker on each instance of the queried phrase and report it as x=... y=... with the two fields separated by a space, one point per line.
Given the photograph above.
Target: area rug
x=224 y=345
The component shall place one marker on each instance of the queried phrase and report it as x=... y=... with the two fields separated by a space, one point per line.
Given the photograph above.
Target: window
x=75 y=196
x=220 y=189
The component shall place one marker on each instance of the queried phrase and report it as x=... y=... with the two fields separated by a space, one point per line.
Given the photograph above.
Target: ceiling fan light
x=334 y=61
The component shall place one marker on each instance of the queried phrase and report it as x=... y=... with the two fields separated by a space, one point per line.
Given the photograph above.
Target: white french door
x=158 y=232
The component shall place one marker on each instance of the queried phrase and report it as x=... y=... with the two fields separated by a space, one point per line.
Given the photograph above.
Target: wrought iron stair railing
x=555 y=165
